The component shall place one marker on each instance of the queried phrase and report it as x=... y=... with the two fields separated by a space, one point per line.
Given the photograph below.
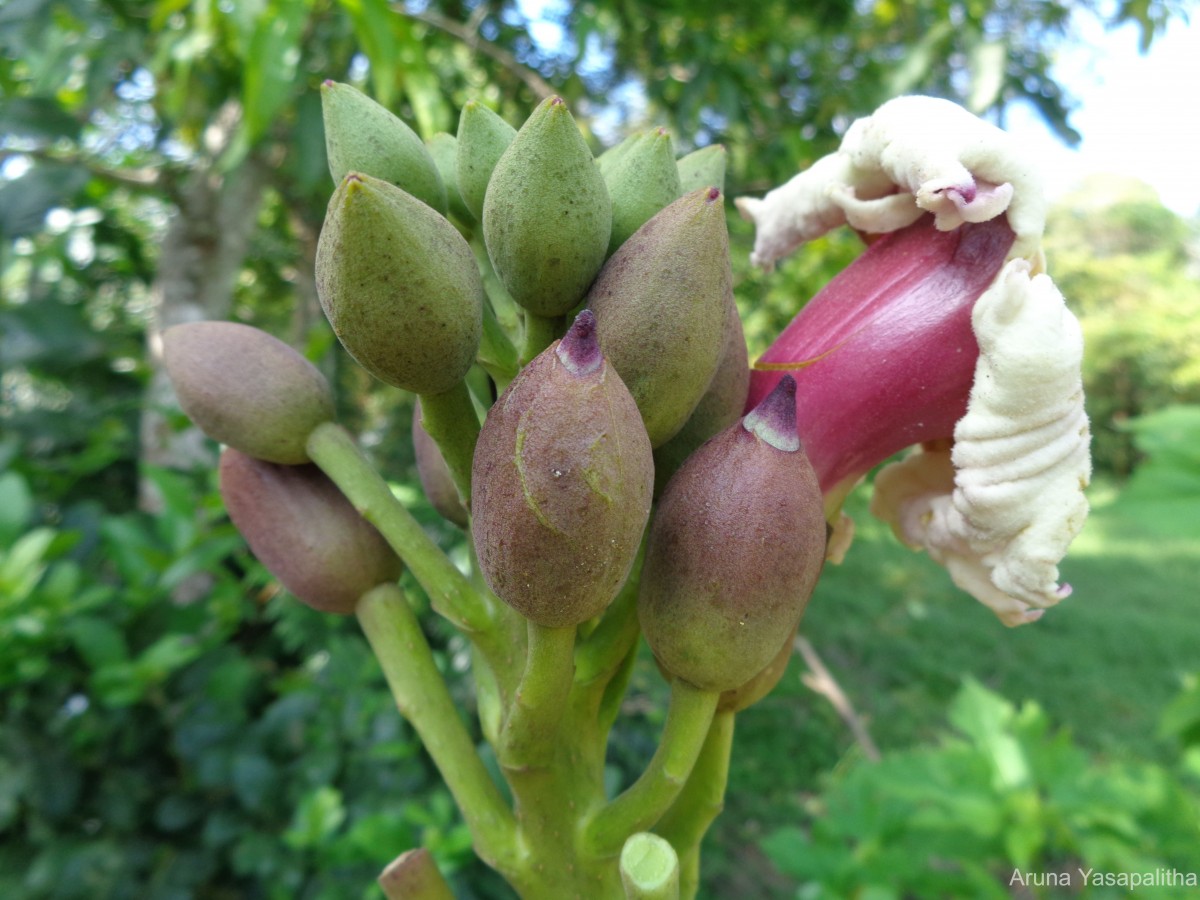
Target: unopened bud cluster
x=588 y=302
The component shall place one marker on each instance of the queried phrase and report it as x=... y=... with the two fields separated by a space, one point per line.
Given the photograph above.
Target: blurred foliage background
x=172 y=727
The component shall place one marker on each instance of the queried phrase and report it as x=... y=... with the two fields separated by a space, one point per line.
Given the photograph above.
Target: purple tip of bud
x=774 y=420
x=579 y=350
x=328 y=82
x=558 y=101
x=713 y=194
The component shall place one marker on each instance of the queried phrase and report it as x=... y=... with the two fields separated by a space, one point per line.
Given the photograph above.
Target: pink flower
x=943 y=336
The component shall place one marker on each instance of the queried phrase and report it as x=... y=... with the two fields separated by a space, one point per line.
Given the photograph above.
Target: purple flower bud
x=735 y=549
x=246 y=388
x=308 y=535
x=561 y=484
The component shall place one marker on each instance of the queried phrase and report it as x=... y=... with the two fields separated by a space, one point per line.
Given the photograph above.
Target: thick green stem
x=422 y=696
x=700 y=802
x=488 y=701
x=600 y=654
x=649 y=868
x=614 y=693
x=508 y=314
x=540 y=333
x=530 y=735
x=333 y=449
x=497 y=354
x=413 y=875
x=641 y=806
x=450 y=419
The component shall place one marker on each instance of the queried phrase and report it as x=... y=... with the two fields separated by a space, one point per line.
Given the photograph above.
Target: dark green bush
x=171 y=726
x=1001 y=800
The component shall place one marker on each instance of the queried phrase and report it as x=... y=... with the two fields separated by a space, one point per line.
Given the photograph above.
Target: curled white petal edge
x=1000 y=510
x=913 y=155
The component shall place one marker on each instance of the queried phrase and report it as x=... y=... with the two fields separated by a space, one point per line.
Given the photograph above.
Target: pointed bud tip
x=579 y=350
x=774 y=419
x=353 y=184
x=713 y=194
x=328 y=83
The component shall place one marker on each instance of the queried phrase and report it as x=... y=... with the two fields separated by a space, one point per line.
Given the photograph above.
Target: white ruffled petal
x=913 y=155
x=795 y=212
x=1001 y=508
x=952 y=163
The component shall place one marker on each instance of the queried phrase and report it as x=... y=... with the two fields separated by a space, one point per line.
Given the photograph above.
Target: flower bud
x=362 y=136
x=661 y=304
x=721 y=405
x=443 y=148
x=246 y=388
x=746 y=695
x=482 y=139
x=561 y=484
x=547 y=215
x=702 y=168
x=308 y=535
x=399 y=285
x=607 y=161
x=641 y=182
x=735 y=550
x=436 y=480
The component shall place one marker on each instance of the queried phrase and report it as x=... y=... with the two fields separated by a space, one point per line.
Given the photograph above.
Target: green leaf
x=375 y=29
x=1181 y=717
x=979 y=713
x=319 y=815
x=254 y=780
x=164 y=656
x=176 y=812
x=271 y=65
x=16 y=507
x=118 y=685
x=98 y=641
x=1163 y=495
x=23 y=565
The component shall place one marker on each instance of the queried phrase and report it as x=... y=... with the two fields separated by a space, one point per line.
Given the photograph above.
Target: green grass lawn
x=899 y=637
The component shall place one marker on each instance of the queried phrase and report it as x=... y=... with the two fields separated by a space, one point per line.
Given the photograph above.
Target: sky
x=1139 y=115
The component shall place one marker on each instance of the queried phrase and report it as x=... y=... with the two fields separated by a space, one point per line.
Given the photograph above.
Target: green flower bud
x=362 y=136
x=720 y=407
x=562 y=484
x=308 y=535
x=608 y=160
x=547 y=215
x=246 y=388
x=642 y=181
x=482 y=139
x=436 y=480
x=703 y=168
x=443 y=148
x=399 y=285
x=746 y=695
x=735 y=550
x=662 y=304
